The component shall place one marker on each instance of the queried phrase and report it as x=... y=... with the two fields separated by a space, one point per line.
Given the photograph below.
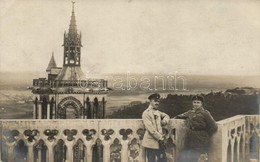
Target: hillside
x=221 y=105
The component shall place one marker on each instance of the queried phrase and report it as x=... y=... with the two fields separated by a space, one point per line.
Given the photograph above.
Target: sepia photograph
x=130 y=81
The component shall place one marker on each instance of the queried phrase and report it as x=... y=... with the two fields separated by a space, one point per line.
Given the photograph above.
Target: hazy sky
x=192 y=37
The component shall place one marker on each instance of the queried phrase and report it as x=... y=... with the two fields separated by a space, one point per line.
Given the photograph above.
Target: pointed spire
x=73 y=6
x=73 y=26
x=52 y=63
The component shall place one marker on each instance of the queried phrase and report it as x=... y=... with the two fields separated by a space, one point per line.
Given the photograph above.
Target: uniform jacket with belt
x=201 y=126
x=152 y=119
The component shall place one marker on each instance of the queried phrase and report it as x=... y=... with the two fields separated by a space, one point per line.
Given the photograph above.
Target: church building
x=66 y=92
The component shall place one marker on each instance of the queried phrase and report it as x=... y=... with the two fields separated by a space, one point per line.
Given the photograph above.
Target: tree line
x=220 y=105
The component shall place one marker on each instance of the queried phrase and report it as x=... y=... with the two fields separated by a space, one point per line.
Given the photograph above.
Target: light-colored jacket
x=152 y=121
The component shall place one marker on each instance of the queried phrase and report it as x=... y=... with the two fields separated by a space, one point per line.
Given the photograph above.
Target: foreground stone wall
x=86 y=140
x=112 y=138
x=237 y=139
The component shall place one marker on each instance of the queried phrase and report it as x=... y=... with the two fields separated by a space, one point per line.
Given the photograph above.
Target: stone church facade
x=67 y=93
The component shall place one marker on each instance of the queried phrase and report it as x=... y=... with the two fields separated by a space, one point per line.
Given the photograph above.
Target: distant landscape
x=221 y=104
x=16 y=99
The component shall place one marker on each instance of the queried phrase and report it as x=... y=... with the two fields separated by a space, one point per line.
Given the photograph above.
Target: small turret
x=52 y=63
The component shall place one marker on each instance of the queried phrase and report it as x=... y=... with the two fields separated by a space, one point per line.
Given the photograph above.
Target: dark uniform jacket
x=201 y=126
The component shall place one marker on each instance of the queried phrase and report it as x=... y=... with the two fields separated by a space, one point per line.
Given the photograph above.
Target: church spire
x=73 y=26
x=52 y=63
x=72 y=43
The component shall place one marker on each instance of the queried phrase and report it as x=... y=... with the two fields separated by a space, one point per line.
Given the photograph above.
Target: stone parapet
x=113 y=136
x=119 y=140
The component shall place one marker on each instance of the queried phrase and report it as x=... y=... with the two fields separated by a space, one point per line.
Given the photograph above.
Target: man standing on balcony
x=153 y=140
x=201 y=126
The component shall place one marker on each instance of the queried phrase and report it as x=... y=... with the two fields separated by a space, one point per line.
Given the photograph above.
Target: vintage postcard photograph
x=130 y=81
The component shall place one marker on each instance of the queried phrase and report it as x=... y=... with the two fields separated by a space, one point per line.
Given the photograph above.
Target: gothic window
x=60 y=151
x=72 y=55
x=77 y=58
x=40 y=151
x=20 y=151
x=79 y=151
x=115 y=151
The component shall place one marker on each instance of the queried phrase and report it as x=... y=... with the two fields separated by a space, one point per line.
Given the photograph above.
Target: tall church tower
x=72 y=43
x=72 y=52
x=66 y=93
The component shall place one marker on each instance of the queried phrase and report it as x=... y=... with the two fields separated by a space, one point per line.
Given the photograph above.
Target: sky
x=208 y=37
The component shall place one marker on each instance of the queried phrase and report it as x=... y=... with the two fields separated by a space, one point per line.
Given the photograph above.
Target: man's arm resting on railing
x=182 y=116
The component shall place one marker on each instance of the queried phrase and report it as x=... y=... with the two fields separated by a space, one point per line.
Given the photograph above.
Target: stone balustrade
x=114 y=137
x=91 y=83
x=237 y=139
x=86 y=140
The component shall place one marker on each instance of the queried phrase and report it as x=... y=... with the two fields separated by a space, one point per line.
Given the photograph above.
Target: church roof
x=71 y=73
x=52 y=63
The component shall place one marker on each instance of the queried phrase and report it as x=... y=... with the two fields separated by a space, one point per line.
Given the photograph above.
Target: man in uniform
x=200 y=127
x=153 y=140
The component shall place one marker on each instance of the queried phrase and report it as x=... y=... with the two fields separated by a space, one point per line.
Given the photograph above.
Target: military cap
x=154 y=96
x=197 y=97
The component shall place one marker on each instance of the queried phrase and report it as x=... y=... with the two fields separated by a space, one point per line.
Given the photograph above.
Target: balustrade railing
x=96 y=83
x=237 y=140
x=87 y=140
x=81 y=140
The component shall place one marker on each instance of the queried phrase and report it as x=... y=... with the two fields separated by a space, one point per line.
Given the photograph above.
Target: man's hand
x=162 y=142
x=163 y=123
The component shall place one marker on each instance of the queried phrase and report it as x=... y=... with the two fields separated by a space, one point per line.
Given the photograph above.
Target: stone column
x=104 y=107
x=50 y=153
x=243 y=147
x=30 y=154
x=88 y=153
x=106 y=150
x=238 y=148
x=247 y=147
x=34 y=110
x=39 y=110
x=124 y=151
x=48 y=110
x=69 y=153
x=11 y=152
x=232 y=149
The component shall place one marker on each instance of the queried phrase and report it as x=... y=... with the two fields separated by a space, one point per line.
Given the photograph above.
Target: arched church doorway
x=69 y=108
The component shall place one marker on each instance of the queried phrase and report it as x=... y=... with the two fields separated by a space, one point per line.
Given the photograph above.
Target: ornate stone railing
x=81 y=140
x=90 y=84
x=237 y=139
x=85 y=140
